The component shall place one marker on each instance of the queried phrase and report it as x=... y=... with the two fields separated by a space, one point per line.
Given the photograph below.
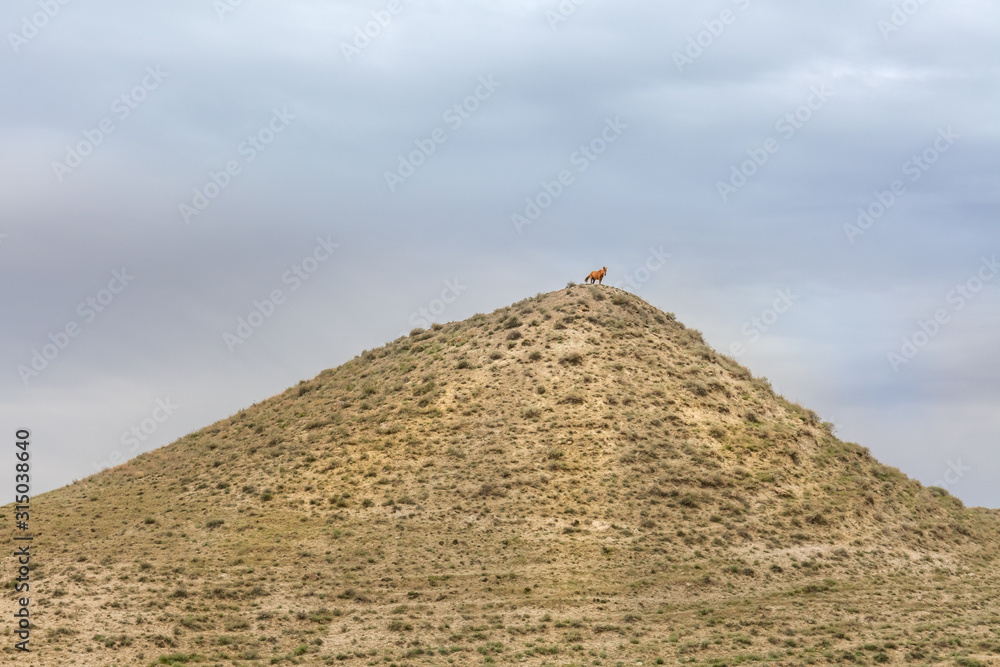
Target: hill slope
x=574 y=479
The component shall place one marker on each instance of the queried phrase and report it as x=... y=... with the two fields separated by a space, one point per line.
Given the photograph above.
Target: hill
x=573 y=479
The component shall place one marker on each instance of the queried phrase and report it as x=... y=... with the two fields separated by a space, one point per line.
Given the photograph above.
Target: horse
x=596 y=276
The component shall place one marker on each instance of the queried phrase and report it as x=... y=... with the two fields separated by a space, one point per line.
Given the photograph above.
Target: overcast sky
x=815 y=188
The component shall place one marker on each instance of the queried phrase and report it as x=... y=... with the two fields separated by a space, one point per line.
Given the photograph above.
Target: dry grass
x=600 y=488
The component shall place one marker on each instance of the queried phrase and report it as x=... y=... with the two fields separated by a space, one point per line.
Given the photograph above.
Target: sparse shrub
x=232 y=624
x=424 y=387
x=113 y=642
x=687 y=500
x=321 y=616
x=817 y=519
x=571 y=358
x=573 y=398
x=696 y=388
x=489 y=489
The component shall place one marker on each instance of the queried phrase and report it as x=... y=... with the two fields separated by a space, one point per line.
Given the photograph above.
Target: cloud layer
x=823 y=180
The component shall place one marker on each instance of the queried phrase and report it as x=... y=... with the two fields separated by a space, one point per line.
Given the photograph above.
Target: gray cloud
x=657 y=186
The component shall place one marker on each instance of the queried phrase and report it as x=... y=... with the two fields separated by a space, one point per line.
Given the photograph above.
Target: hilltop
x=574 y=479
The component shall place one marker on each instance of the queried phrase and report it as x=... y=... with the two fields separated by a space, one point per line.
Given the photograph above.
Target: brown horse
x=597 y=276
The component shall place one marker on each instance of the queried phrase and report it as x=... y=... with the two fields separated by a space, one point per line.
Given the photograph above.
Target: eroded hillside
x=574 y=479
